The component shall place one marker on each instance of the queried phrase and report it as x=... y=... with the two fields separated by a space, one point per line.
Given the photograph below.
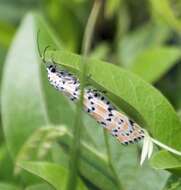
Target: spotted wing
x=126 y=131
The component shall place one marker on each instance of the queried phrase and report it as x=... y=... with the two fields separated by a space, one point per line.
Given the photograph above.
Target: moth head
x=52 y=68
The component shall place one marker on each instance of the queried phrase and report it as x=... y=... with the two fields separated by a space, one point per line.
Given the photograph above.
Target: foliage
x=140 y=72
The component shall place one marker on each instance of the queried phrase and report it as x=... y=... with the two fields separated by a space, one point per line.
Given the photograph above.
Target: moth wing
x=128 y=132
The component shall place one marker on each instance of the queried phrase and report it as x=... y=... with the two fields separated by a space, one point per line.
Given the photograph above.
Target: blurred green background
x=142 y=36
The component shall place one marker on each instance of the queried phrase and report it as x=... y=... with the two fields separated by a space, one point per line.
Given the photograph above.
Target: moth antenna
x=44 y=52
x=37 y=40
x=38 y=46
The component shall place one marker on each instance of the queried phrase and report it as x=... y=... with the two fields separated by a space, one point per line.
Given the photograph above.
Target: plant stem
x=110 y=163
x=75 y=149
x=172 y=150
x=90 y=27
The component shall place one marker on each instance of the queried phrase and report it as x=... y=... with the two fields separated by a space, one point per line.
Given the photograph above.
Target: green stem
x=110 y=163
x=75 y=150
x=89 y=31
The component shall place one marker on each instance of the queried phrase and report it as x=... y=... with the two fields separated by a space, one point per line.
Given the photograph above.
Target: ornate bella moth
x=97 y=105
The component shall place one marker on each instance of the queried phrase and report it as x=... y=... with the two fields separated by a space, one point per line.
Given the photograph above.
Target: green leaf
x=165 y=160
x=54 y=174
x=153 y=63
x=159 y=116
x=20 y=84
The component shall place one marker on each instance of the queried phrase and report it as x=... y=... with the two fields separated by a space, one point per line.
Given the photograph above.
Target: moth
x=96 y=105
